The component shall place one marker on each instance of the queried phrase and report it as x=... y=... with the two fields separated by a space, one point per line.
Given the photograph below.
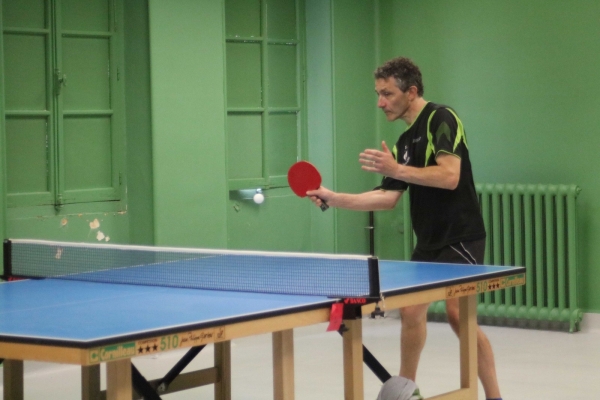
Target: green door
x=266 y=123
x=265 y=91
x=63 y=101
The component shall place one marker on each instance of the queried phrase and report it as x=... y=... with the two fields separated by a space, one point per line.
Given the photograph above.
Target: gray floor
x=531 y=364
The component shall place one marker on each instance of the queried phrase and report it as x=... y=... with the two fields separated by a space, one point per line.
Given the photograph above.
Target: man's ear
x=414 y=92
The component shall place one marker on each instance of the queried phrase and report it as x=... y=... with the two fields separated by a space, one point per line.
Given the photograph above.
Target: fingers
x=385 y=148
x=378 y=161
x=370 y=159
x=316 y=200
x=371 y=153
x=313 y=193
x=319 y=196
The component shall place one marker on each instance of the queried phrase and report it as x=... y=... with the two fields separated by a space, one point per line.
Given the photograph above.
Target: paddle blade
x=302 y=177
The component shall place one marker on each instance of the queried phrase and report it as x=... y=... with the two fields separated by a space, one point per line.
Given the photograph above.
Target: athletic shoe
x=416 y=395
x=399 y=388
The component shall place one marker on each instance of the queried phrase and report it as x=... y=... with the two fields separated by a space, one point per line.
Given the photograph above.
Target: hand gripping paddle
x=303 y=176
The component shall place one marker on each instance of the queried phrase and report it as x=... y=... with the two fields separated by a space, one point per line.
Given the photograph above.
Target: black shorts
x=458 y=253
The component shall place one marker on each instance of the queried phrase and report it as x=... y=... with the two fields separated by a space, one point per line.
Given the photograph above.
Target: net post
x=7 y=259
x=374 y=288
x=371 y=229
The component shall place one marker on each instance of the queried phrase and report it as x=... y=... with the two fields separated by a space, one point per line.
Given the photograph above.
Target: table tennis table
x=63 y=319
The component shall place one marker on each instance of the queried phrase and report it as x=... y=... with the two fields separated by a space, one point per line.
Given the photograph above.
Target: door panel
x=24 y=14
x=88 y=163
x=25 y=72
x=89 y=15
x=243 y=18
x=281 y=19
x=283 y=82
x=86 y=66
x=281 y=143
x=244 y=80
x=244 y=134
x=27 y=156
x=27 y=96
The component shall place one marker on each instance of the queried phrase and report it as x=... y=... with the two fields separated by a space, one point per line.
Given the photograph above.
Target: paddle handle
x=324 y=205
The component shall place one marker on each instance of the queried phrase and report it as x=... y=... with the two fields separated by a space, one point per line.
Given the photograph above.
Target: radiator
x=532 y=226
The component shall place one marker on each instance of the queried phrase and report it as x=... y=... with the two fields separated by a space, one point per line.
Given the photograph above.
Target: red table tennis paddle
x=303 y=176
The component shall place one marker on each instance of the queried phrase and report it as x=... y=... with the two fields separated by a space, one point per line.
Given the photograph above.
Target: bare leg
x=486 y=366
x=412 y=339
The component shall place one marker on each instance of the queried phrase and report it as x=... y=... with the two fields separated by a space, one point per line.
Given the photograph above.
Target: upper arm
x=447 y=133
x=450 y=164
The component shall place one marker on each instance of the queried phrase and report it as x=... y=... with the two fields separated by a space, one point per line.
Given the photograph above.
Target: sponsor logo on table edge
x=485 y=286
x=114 y=352
x=200 y=336
x=355 y=300
x=461 y=290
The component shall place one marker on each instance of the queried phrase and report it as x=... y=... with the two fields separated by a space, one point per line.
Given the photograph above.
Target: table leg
x=283 y=365
x=353 y=360
x=13 y=379
x=468 y=344
x=90 y=382
x=223 y=365
x=118 y=380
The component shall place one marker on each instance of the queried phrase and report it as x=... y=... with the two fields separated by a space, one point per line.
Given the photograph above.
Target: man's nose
x=380 y=102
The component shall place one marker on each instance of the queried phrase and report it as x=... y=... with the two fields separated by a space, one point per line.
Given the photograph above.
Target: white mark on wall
x=95 y=224
x=64 y=222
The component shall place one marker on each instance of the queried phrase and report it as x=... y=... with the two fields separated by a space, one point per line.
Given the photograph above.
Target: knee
x=413 y=315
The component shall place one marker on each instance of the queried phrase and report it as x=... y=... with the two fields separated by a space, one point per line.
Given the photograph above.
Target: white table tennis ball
x=258 y=198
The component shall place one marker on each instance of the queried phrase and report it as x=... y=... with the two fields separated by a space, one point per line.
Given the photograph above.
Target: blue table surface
x=405 y=276
x=86 y=312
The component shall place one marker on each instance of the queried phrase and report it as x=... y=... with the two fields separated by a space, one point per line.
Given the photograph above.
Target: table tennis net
x=247 y=271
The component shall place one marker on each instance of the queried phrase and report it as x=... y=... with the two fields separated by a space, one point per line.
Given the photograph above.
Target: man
x=431 y=158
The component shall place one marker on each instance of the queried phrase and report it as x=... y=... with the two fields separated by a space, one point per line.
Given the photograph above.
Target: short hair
x=406 y=73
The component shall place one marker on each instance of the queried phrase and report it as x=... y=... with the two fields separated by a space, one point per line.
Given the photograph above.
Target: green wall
x=3 y=231
x=188 y=122
x=353 y=112
x=342 y=53
x=139 y=128
x=319 y=87
x=523 y=77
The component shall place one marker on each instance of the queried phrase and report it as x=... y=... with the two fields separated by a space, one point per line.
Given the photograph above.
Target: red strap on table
x=336 y=317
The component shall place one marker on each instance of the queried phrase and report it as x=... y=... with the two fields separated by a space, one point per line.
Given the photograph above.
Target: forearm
x=445 y=174
x=375 y=200
x=433 y=176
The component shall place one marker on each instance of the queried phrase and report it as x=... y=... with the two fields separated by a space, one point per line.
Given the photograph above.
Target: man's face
x=394 y=102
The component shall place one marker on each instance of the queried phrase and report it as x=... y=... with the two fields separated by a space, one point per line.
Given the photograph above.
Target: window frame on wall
x=261 y=143
x=83 y=157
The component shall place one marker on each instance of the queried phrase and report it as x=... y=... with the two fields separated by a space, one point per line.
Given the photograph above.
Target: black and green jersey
x=440 y=217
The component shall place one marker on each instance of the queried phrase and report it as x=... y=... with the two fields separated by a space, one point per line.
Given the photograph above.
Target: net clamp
x=378 y=312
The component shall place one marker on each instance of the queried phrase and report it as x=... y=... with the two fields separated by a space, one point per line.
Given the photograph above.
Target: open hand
x=381 y=162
